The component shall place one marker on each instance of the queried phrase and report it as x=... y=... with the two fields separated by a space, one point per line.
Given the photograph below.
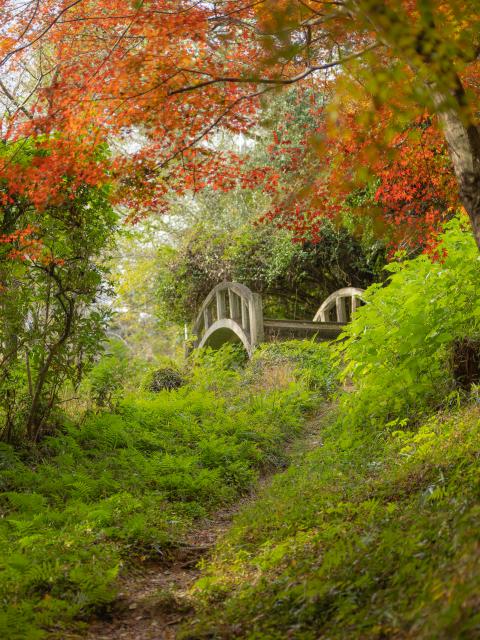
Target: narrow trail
x=154 y=598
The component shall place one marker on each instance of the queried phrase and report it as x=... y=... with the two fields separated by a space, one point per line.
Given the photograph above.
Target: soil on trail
x=154 y=598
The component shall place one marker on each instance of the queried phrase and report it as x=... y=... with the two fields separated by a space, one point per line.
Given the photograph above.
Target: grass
x=115 y=486
x=375 y=534
x=371 y=535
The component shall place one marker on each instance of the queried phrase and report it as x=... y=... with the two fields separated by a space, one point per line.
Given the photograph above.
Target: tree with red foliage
x=404 y=189
x=169 y=73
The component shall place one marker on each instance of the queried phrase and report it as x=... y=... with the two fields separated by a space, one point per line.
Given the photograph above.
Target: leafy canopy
x=166 y=75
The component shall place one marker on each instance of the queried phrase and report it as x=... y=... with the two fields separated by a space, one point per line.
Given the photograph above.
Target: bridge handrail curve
x=232 y=308
x=337 y=299
x=244 y=310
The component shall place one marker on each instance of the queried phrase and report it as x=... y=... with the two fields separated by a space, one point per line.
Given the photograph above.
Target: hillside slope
x=368 y=536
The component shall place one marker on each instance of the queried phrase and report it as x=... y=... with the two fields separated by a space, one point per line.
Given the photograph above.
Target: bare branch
x=13 y=100
x=276 y=81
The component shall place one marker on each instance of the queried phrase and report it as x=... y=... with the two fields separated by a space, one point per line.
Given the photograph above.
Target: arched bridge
x=233 y=313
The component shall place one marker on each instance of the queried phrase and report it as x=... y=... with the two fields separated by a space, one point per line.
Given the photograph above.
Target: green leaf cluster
x=398 y=350
x=113 y=486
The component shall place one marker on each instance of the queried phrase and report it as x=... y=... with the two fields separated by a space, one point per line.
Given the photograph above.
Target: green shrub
x=398 y=349
x=164 y=378
x=108 y=377
x=118 y=484
x=362 y=538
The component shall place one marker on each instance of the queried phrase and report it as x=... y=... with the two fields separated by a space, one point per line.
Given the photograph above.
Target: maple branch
x=140 y=94
x=13 y=100
x=41 y=34
x=117 y=41
x=145 y=13
x=214 y=124
x=240 y=9
x=310 y=21
x=275 y=81
x=30 y=21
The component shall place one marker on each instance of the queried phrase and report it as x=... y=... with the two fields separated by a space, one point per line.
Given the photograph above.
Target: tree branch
x=275 y=81
x=13 y=100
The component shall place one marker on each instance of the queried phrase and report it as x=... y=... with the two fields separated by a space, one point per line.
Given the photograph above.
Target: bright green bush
x=398 y=348
x=108 y=377
x=116 y=485
x=362 y=538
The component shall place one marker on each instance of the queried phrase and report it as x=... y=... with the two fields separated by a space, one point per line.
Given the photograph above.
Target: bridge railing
x=230 y=306
x=232 y=312
x=339 y=306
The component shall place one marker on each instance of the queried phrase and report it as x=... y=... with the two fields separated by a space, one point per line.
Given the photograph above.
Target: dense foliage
x=52 y=316
x=147 y=330
x=393 y=89
x=400 y=348
x=118 y=485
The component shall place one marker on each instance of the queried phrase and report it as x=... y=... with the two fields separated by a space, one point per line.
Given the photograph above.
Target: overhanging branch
x=275 y=81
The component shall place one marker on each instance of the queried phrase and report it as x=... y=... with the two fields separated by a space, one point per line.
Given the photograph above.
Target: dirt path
x=154 y=598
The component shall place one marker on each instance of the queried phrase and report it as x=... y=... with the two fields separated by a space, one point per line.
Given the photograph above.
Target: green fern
x=130 y=482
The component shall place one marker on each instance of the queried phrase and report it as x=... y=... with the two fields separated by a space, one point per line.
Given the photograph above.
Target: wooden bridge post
x=256 y=319
x=221 y=307
x=245 y=315
x=234 y=302
x=338 y=301
x=207 y=318
x=341 y=308
x=355 y=303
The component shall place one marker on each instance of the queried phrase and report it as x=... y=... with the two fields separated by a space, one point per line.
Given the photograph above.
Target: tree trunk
x=35 y=420
x=463 y=140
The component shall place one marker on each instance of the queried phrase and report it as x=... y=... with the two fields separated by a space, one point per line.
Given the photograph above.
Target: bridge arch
x=233 y=313
x=230 y=313
x=339 y=306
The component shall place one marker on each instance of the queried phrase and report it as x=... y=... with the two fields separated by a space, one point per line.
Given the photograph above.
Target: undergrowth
x=375 y=533
x=399 y=348
x=362 y=538
x=126 y=484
